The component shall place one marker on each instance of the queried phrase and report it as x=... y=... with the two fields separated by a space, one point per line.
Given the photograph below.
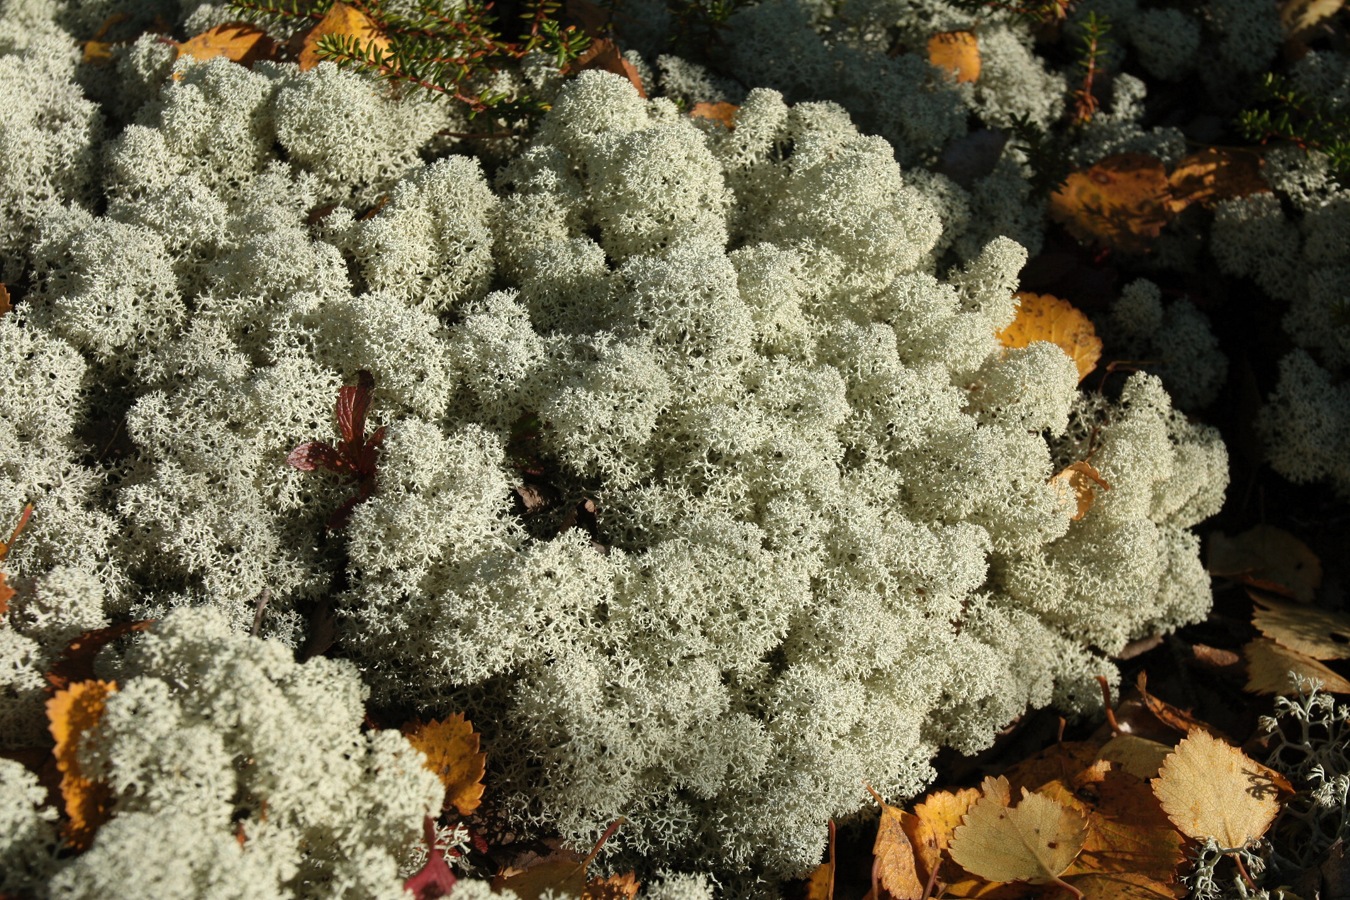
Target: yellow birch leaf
x=1076 y=484
x=1300 y=18
x=1043 y=317
x=1034 y=841
x=1139 y=756
x=930 y=827
x=1214 y=174
x=340 y=19
x=451 y=749
x=1121 y=202
x=1319 y=633
x=1211 y=789
x=724 y=113
x=72 y=713
x=820 y=884
x=1270 y=670
x=893 y=856
x=237 y=41
x=5 y=305
x=957 y=52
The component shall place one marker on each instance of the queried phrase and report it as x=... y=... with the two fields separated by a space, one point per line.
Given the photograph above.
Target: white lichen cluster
x=826 y=543
x=1300 y=256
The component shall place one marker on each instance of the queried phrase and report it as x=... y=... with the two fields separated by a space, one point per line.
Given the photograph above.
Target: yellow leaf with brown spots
x=72 y=713
x=1044 y=317
x=451 y=750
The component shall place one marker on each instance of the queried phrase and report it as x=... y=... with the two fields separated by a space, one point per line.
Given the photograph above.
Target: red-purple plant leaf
x=435 y=878
x=316 y=455
x=352 y=405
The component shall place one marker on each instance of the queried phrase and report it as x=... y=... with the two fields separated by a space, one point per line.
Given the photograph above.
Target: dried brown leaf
x=1215 y=174
x=893 y=866
x=1120 y=203
x=1271 y=669
x=1077 y=485
x=1267 y=553
x=240 y=42
x=723 y=113
x=1319 y=633
x=820 y=883
x=72 y=714
x=1034 y=841
x=930 y=827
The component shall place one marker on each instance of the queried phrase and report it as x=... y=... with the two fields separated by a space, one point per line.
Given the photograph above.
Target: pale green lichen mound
x=237 y=772
x=825 y=543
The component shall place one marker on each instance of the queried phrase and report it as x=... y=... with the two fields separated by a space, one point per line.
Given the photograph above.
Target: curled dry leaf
x=1076 y=484
x=1211 y=789
x=1267 y=554
x=1034 y=841
x=1301 y=18
x=76 y=662
x=1214 y=657
x=72 y=713
x=341 y=19
x=615 y=887
x=1043 y=317
x=724 y=113
x=237 y=41
x=1215 y=174
x=1120 y=203
x=1173 y=717
x=1271 y=670
x=1319 y=633
x=958 y=52
x=5 y=305
x=604 y=54
x=893 y=867
x=7 y=592
x=451 y=749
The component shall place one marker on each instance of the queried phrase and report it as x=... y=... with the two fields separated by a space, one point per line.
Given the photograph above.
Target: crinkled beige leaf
x=1267 y=553
x=1034 y=841
x=1300 y=17
x=1139 y=756
x=893 y=855
x=451 y=750
x=1319 y=633
x=1210 y=789
x=1043 y=317
x=1270 y=670
x=958 y=52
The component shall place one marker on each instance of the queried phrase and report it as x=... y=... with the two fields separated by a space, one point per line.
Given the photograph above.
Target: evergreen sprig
x=439 y=46
x=1286 y=113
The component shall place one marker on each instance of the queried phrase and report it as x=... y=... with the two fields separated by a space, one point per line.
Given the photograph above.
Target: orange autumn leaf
x=1214 y=174
x=724 y=113
x=1127 y=830
x=820 y=883
x=615 y=887
x=451 y=749
x=7 y=592
x=5 y=305
x=1076 y=484
x=24 y=516
x=893 y=867
x=1271 y=670
x=562 y=871
x=97 y=51
x=236 y=41
x=1121 y=202
x=1043 y=317
x=72 y=714
x=957 y=52
x=340 y=19
x=1173 y=717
